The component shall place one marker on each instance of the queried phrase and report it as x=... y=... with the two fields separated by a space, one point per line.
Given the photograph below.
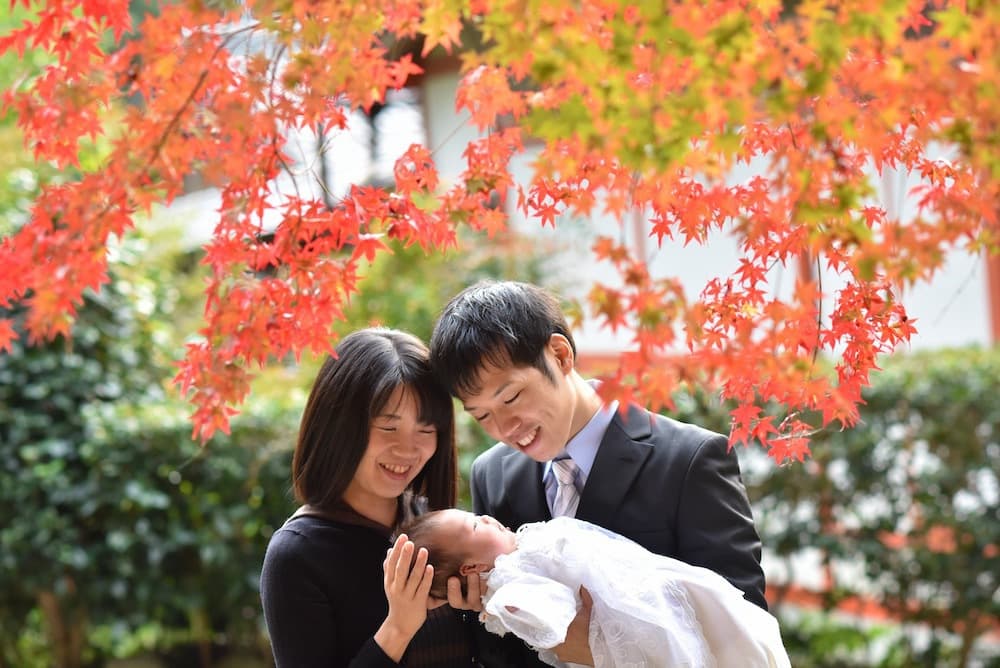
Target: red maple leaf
x=7 y=334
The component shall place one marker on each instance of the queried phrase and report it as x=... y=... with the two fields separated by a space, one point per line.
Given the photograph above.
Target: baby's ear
x=469 y=569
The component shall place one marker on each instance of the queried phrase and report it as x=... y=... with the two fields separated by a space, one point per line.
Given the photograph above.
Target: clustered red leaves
x=638 y=109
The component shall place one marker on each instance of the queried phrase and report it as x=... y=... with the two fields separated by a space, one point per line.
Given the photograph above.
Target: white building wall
x=950 y=310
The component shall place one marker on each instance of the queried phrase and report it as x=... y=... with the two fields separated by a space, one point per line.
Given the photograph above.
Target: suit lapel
x=620 y=456
x=523 y=486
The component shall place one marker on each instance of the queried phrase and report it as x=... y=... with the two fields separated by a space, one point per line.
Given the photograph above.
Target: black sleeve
x=717 y=530
x=508 y=651
x=299 y=616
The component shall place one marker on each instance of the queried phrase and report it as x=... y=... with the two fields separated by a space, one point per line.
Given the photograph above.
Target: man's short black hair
x=497 y=323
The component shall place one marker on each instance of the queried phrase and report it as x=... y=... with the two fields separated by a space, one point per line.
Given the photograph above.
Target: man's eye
x=513 y=398
x=387 y=429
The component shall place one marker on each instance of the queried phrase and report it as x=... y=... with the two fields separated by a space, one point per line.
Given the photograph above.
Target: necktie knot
x=567 y=496
x=565 y=470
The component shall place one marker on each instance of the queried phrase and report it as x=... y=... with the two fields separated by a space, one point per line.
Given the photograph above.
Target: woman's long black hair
x=352 y=388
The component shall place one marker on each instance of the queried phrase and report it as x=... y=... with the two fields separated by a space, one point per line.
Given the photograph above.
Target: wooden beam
x=993 y=293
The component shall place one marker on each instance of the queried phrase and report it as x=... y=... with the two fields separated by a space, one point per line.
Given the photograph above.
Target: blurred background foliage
x=120 y=536
x=124 y=536
x=901 y=514
x=19 y=176
x=124 y=543
x=124 y=540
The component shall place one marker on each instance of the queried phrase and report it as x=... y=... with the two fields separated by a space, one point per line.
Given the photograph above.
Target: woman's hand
x=406 y=589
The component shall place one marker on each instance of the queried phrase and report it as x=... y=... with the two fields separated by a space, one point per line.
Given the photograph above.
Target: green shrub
x=910 y=496
x=127 y=537
x=43 y=488
x=185 y=528
x=120 y=532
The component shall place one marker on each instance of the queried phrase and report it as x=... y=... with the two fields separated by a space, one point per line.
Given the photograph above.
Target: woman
x=376 y=442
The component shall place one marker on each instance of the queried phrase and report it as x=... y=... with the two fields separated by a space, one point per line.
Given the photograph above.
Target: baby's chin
x=499 y=560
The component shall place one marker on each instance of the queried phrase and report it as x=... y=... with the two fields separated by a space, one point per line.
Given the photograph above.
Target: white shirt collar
x=583 y=447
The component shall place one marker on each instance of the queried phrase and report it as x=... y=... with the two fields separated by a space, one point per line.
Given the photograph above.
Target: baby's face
x=482 y=536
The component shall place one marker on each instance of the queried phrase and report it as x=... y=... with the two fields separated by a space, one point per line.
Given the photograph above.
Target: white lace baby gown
x=649 y=611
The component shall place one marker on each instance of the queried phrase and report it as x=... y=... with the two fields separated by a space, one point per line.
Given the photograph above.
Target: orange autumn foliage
x=639 y=107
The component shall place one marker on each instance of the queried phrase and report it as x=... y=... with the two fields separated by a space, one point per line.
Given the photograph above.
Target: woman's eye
x=513 y=398
x=480 y=418
x=386 y=429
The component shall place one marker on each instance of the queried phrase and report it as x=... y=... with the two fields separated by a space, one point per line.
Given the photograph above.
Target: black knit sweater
x=321 y=587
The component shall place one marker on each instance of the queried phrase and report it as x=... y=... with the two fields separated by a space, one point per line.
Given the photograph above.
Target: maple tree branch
x=819 y=309
x=461 y=124
x=849 y=103
x=275 y=61
x=330 y=199
x=172 y=124
x=288 y=168
x=805 y=433
x=954 y=295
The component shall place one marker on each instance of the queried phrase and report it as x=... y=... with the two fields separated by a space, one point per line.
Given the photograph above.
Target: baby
x=648 y=610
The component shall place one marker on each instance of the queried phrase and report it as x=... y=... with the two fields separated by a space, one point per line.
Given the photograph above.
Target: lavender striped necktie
x=567 y=496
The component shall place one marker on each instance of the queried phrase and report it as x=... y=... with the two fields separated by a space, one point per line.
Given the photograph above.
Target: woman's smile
x=396 y=471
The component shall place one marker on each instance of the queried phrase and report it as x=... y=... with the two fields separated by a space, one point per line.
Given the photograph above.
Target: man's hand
x=576 y=649
x=473 y=600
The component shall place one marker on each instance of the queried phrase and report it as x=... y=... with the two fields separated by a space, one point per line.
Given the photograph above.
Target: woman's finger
x=424 y=590
x=403 y=564
x=417 y=572
x=392 y=560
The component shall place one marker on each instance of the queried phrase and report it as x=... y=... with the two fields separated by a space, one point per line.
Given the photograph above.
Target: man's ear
x=563 y=351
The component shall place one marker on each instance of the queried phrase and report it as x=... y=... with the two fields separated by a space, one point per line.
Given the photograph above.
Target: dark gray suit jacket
x=674 y=488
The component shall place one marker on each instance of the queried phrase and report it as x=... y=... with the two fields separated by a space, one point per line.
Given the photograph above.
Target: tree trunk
x=970 y=632
x=201 y=630
x=64 y=629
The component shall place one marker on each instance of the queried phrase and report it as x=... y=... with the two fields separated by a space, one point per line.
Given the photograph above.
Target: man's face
x=525 y=409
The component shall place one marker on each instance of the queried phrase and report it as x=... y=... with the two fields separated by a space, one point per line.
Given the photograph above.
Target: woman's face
x=399 y=446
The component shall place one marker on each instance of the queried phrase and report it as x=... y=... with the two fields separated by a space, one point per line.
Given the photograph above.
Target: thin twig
x=819 y=309
x=172 y=125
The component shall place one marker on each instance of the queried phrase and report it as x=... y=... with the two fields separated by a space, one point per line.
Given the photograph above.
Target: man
x=505 y=350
